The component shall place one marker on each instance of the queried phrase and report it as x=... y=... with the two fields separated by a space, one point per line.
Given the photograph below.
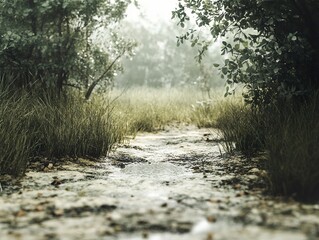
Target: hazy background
x=157 y=61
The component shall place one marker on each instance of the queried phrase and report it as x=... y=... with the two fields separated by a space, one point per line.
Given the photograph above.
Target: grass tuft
x=32 y=127
x=293 y=149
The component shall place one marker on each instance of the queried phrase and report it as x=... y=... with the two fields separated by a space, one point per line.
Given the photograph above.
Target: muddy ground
x=174 y=184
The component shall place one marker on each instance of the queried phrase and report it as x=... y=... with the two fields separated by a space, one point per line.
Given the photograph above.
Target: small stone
x=164 y=205
x=56 y=182
x=39 y=195
x=252 y=177
x=211 y=219
x=39 y=208
x=117 y=228
x=145 y=234
x=58 y=212
x=50 y=166
x=240 y=194
x=21 y=213
x=210 y=236
x=254 y=171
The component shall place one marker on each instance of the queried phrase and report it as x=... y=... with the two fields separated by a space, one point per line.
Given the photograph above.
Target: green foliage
x=51 y=44
x=31 y=127
x=270 y=46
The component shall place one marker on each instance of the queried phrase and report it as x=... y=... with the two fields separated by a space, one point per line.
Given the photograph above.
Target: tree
x=51 y=44
x=273 y=46
x=157 y=62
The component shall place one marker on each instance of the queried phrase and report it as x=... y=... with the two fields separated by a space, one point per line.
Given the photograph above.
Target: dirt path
x=165 y=186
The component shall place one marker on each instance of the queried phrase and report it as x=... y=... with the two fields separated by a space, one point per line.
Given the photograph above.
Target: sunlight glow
x=152 y=10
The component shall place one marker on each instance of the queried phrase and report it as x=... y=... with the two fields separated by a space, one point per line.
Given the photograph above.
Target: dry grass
x=149 y=109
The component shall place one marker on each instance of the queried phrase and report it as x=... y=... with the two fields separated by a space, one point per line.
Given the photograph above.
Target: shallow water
x=164 y=186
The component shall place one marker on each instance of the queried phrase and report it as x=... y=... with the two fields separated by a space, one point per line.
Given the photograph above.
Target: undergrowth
x=242 y=128
x=293 y=151
x=32 y=126
x=288 y=135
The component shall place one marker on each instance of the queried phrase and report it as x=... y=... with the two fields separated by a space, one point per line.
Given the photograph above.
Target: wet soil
x=175 y=184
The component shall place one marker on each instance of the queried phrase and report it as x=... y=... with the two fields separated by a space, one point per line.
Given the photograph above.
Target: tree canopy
x=272 y=46
x=51 y=44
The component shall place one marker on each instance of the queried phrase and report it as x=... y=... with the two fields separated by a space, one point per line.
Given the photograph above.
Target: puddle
x=161 y=171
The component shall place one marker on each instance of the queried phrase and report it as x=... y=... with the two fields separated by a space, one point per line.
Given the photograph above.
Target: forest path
x=170 y=185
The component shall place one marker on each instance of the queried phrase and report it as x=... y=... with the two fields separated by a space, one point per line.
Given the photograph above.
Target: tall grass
x=32 y=127
x=242 y=127
x=150 y=109
x=15 y=137
x=288 y=135
x=293 y=151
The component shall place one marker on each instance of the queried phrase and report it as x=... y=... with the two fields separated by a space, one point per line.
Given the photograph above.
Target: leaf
x=224 y=70
x=216 y=65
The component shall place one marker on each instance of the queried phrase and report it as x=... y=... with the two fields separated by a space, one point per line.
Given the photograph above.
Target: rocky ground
x=171 y=185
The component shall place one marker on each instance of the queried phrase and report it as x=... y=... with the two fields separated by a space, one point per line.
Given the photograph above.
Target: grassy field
x=150 y=109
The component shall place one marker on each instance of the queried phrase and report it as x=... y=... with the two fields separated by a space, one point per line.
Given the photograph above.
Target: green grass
x=293 y=151
x=15 y=137
x=242 y=127
x=32 y=127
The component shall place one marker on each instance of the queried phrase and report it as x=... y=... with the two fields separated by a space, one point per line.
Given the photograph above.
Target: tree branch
x=95 y=82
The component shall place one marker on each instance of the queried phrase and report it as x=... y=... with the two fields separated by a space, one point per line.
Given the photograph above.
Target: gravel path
x=171 y=185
